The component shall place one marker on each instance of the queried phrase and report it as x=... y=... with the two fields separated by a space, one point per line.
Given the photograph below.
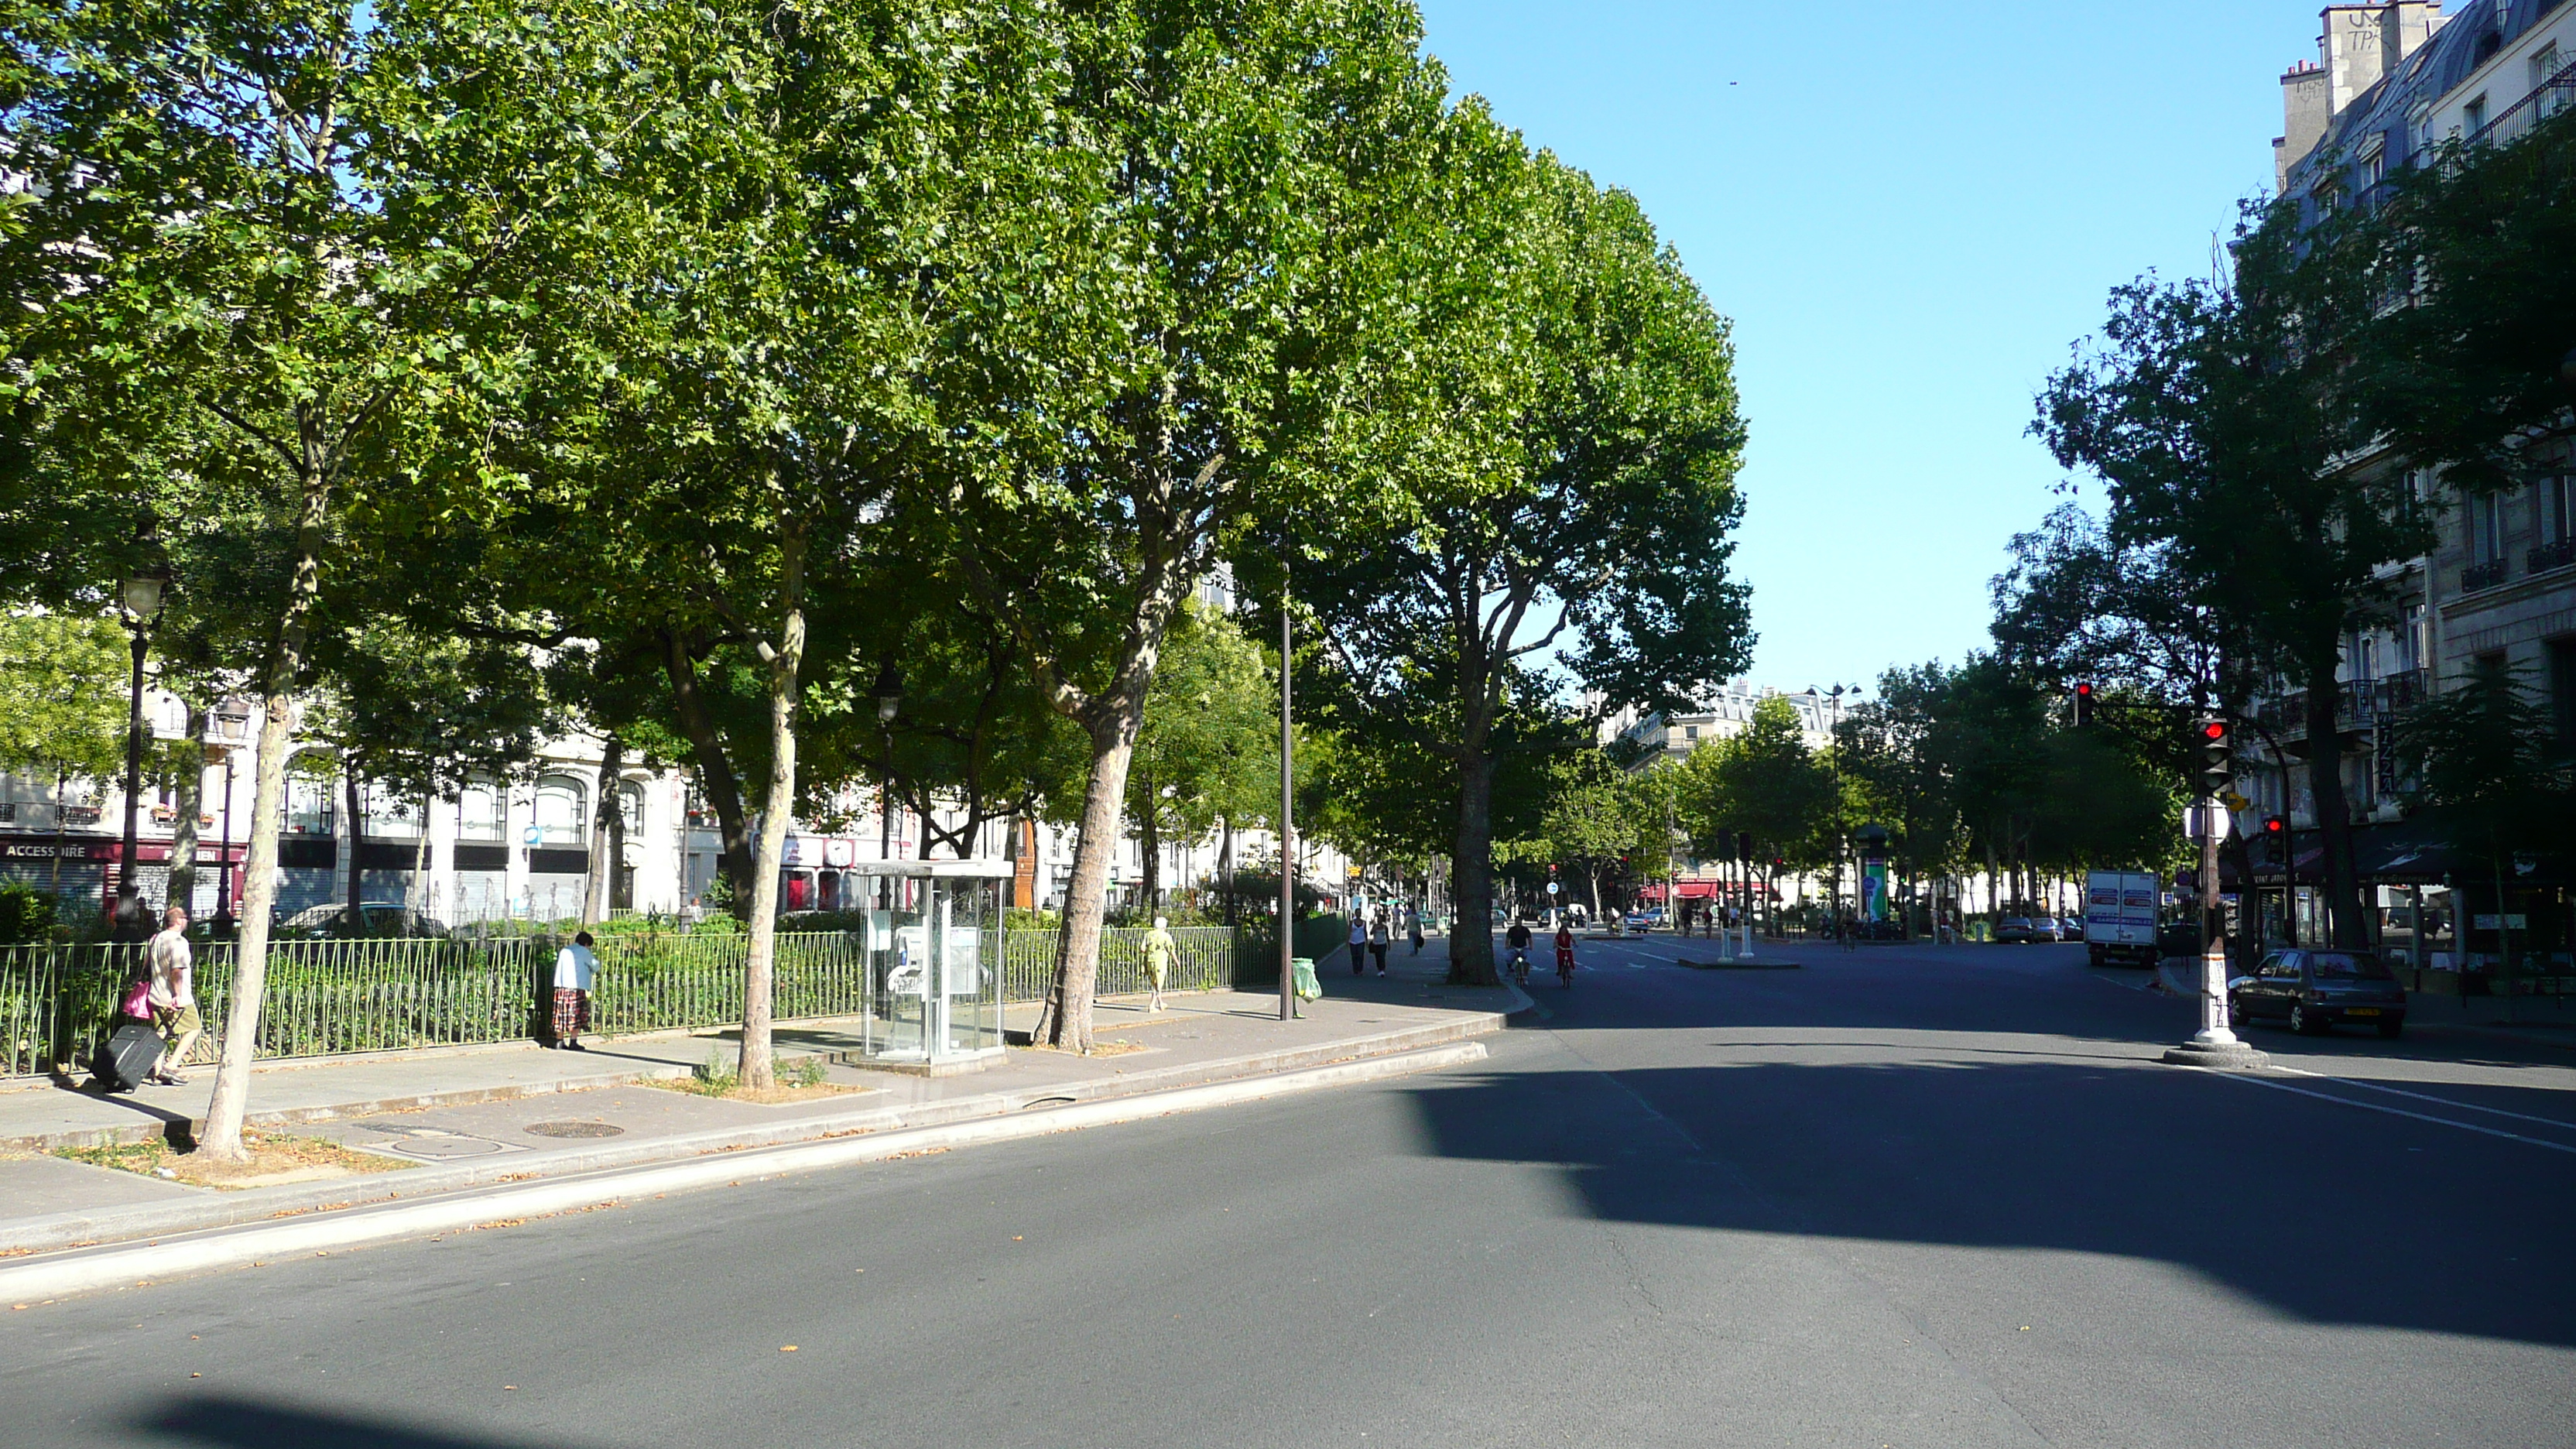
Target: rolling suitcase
x=128 y=1057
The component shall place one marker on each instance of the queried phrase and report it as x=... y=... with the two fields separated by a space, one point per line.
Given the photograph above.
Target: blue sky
x=1910 y=212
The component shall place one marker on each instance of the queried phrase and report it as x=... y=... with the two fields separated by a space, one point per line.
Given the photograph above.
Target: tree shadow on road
x=2322 y=1210
x=235 y=1422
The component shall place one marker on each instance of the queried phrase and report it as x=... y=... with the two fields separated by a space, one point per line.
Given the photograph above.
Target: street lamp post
x=888 y=691
x=142 y=593
x=1287 y=812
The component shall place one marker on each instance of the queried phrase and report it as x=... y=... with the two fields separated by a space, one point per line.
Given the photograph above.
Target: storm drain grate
x=574 y=1129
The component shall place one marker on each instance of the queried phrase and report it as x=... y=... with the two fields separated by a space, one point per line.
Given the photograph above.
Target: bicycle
x=1565 y=969
x=1520 y=966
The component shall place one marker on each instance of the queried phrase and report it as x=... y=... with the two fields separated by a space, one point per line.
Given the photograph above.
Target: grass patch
x=800 y=1080
x=273 y=1159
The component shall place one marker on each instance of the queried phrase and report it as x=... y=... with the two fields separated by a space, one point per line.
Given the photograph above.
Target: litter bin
x=1308 y=988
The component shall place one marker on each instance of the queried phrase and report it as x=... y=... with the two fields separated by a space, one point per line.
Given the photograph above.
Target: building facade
x=2393 y=84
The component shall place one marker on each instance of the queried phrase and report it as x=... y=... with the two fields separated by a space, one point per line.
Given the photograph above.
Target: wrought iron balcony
x=2553 y=555
x=2482 y=575
x=2359 y=704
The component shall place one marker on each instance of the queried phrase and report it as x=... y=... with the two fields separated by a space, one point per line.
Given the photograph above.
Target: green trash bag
x=1308 y=988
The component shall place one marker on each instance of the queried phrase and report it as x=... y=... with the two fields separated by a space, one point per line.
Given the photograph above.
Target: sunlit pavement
x=1899 y=1196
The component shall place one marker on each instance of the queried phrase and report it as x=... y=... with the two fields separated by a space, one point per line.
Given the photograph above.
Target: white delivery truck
x=2120 y=917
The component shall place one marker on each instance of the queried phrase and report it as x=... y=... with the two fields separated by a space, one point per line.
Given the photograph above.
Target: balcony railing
x=2359 y=704
x=2547 y=99
x=2482 y=575
x=2553 y=555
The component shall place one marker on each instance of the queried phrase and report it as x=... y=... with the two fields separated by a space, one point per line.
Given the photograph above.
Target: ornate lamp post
x=142 y=598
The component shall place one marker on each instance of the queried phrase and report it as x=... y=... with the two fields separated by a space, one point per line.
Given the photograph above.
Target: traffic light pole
x=2214 y=1045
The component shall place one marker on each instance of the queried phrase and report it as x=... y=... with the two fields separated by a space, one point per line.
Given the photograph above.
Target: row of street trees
x=707 y=373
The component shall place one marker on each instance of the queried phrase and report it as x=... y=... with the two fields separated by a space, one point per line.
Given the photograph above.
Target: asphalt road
x=1901 y=1197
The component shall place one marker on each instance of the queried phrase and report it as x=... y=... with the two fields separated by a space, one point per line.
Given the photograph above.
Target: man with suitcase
x=174 y=996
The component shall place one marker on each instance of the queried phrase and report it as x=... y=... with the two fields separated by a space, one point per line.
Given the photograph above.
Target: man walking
x=1359 y=940
x=575 y=967
x=174 y=996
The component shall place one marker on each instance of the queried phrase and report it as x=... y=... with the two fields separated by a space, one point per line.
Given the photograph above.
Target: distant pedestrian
x=575 y=968
x=1379 y=941
x=1413 y=916
x=1159 y=948
x=1359 y=941
x=174 y=996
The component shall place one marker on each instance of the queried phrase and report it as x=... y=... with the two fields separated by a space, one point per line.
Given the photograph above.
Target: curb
x=139 y=1266
x=74 y=1229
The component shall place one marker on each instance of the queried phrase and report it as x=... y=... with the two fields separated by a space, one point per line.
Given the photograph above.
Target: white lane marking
x=2254 y=1081
x=2562 y=1126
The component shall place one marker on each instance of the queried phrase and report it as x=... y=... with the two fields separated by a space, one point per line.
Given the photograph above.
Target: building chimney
x=2304 y=113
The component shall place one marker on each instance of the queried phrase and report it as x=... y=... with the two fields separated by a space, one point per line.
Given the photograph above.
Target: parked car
x=2016 y=931
x=2312 y=992
x=381 y=918
x=2045 y=928
x=1646 y=920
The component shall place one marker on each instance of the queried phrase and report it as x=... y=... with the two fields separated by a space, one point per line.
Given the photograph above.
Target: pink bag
x=138 y=1000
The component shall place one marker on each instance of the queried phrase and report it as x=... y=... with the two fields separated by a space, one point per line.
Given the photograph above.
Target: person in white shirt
x=174 y=996
x=574 y=968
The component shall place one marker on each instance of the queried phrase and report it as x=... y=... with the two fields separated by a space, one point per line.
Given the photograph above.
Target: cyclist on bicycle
x=1565 y=954
x=1519 y=938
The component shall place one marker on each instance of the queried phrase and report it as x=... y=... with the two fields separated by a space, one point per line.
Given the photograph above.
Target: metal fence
x=333 y=997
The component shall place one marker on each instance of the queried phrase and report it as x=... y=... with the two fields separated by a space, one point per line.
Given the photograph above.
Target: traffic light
x=2217 y=756
x=2274 y=827
x=2083 y=704
x=1744 y=846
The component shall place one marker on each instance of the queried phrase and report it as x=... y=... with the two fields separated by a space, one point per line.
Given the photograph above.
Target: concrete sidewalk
x=464 y=1118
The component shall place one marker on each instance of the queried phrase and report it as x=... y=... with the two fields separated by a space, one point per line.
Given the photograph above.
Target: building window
x=482 y=811
x=560 y=817
x=312 y=782
x=2486 y=543
x=2557 y=510
x=2473 y=117
x=630 y=806
x=1690 y=732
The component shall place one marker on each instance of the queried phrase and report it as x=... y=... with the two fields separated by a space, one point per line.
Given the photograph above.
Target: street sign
x=2215 y=816
x=1551 y=888
x=533 y=835
x=2234 y=801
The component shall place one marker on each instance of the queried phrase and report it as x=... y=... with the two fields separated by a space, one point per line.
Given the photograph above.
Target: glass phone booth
x=933 y=939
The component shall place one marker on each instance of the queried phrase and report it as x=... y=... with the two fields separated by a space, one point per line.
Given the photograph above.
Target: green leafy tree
x=1208 y=752
x=226 y=209
x=62 y=702
x=2219 y=418
x=1606 y=822
x=1562 y=411
x=1149 y=355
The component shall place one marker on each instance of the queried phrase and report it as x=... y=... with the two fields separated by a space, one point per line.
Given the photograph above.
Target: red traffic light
x=2274 y=825
x=2213 y=730
x=2084 y=691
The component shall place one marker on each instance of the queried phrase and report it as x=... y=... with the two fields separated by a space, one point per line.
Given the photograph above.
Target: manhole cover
x=575 y=1129
x=446 y=1145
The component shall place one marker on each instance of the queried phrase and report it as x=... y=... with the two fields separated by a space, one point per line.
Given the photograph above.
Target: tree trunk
x=354 y=794
x=230 y=1102
x=1225 y=868
x=1149 y=835
x=716 y=779
x=2334 y=818
x=1065 y=1020
x=190 y=789
x=598 y=898
x=759 y=970
x=1471 y=941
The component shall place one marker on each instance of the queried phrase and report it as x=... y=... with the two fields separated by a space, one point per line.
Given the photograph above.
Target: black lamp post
x=142 y=597
x=888 y=691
